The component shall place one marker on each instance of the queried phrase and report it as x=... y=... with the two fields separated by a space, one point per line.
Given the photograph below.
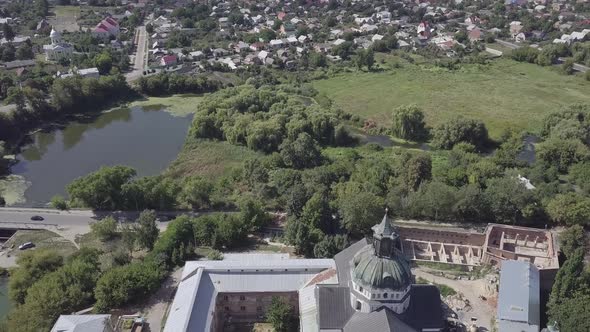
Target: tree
x=252 y=214
x=8 y=32
x=281 y=316
x=563 y=153
x=568 y=67
x=31 y=266
x=417 y=169
x=58 y=202
x=104 y=63
x=149 y=28
x=302 y=153
x=457 y=130
x=329 y=246
x=571 y=239
x=25 y=51
x=433 y=200
x=196 y=192
x=408 y=123
x=147 y=230
x=508 y=199
x=569 y=209
x=101 y=189
x=104 y=229
x=359 y=210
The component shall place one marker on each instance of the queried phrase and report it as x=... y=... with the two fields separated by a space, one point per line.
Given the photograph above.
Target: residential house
x=168 y=60
x=106 y=28
x=515 y=28
x=475 y=35
x=424 y=31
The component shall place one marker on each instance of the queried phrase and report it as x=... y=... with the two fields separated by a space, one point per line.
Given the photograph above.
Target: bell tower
x=385 y=239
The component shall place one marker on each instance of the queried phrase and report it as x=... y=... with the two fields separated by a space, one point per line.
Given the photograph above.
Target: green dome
x=381 y=272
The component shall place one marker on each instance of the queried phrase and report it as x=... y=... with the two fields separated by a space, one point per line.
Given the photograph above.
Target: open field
x=66 y=18
x=503 y=93
x=209 y=159
x=177 y=105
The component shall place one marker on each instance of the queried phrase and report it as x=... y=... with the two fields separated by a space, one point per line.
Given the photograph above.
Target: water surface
x=145 y=139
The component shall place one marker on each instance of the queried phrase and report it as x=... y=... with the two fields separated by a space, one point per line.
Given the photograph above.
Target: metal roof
x=81 y=323
x=519 y=296
x=193 y=305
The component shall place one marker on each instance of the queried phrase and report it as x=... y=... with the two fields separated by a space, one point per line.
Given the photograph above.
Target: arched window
x=384 y=295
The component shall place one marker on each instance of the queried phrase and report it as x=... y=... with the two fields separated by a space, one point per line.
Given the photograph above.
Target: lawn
x=503 y=93
x=209 y=159
x=177 y=105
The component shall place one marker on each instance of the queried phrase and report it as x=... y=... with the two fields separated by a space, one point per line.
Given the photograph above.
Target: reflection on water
x=146 y=141
x=528 y=153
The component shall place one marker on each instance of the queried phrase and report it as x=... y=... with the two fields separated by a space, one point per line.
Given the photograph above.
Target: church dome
x=381 y=272
x=54 y=34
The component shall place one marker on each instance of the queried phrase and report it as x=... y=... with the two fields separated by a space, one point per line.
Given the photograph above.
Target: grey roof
x=381 y=272
x=425 y=310
x=381 y=320
x=344 y=258
x=82 y=323
x=334 y=306
x=201 y=281
x=519 y=296
x=384 y=228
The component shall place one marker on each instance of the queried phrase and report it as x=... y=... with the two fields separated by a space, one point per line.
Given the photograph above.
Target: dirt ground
x=157 y=306
x=471 y=290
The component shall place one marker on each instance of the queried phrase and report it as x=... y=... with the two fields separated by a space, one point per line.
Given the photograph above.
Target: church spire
x=384 y=228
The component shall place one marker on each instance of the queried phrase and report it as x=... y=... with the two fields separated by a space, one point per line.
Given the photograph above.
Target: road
x=140 y=55
x=71 y=223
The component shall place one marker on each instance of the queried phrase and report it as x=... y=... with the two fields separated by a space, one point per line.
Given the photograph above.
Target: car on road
x=26 y=246
x=37 y=218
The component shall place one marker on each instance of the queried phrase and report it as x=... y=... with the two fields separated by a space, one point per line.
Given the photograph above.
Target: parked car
x=37 y=218
x=26 y=246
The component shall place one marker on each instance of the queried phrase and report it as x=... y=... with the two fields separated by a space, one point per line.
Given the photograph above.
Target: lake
x=142 y=138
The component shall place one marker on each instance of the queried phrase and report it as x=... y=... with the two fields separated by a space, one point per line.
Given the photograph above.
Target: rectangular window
x=242 y=298
x=226 y=297
x=242 y=308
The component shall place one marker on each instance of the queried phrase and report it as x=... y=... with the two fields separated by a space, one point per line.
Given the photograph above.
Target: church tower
x=55 y=37
x=381 y=274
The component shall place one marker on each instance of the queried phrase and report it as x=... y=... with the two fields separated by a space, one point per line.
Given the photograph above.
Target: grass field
x=503 y=93
x=177 y=105
x=208 y=159
x=66 y=18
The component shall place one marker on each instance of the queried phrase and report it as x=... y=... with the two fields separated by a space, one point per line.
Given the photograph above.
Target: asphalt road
x=140 y=55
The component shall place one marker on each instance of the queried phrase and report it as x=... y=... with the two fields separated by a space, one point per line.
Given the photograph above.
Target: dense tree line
x=67 y=96
x=569 y=302
x=117 y=188
x=46 y=286
x=165 y=84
